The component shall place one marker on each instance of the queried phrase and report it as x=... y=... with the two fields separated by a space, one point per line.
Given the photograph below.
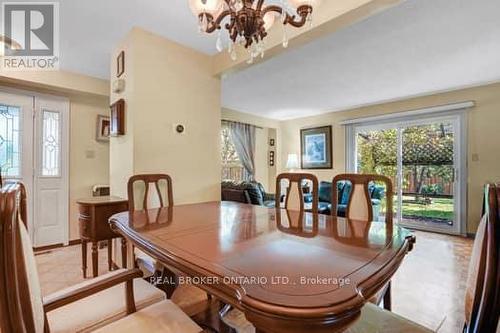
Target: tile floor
x=62 y=267
x=428 y=288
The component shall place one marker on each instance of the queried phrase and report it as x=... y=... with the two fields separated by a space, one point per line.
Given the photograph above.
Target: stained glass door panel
x=10 y=140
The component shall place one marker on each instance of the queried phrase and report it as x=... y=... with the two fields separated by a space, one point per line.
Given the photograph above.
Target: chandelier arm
x=260 y=4
x=302 y=11
x=215 y=24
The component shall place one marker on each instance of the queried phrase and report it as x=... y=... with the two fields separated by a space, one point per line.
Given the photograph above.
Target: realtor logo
x=33 y=32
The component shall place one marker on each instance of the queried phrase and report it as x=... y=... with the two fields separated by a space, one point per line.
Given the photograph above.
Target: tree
x=427 y=152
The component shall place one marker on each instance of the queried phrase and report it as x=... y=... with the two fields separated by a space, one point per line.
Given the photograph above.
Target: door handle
x=455 y=175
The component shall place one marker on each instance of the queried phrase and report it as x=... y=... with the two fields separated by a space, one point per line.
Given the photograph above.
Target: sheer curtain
x=243 y=136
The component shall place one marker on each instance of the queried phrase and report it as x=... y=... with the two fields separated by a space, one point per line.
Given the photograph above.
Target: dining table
x=287 y=271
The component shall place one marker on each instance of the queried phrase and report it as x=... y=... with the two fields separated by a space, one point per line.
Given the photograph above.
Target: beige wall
x=89 y=159
x=482 y=133
x=168 y=84
x=269 y=129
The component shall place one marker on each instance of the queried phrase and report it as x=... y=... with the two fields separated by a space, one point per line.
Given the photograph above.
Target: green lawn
x=440 y=208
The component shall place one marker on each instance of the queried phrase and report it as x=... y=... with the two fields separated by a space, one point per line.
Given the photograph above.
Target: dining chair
x=359 y=203
x=294 y=197
x=150 y=191
x=360 y=209
x=482 y=294
x=116 y=302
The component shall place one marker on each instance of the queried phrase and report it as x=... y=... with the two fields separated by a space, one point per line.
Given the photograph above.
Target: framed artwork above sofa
x=316 y=148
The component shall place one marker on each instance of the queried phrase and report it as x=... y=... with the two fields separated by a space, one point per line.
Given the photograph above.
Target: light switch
x=90 y=154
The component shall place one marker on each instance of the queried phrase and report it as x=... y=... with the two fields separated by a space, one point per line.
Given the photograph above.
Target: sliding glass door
x=423 y=157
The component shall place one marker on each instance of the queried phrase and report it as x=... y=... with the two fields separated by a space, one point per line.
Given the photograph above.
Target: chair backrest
x=359 y=205
x=482 y=291
x=149 y=191
x=21 y=307
x=294 y=198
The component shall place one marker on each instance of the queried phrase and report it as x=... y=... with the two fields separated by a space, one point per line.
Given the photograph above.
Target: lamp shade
x=211 y=7
x=292 y=161
x=298 y=3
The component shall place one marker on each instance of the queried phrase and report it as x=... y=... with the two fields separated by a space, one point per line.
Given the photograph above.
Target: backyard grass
x=440 y=208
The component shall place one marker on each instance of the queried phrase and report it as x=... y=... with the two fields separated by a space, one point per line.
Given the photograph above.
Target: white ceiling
x=89 y=29
x=418 y=47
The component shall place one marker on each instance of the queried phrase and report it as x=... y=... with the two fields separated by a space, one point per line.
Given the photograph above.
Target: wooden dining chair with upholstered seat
x=116 y=302
x=360 y=208
x=294 y=197
x=359 y=203
x=482 y=294
x=151 y=191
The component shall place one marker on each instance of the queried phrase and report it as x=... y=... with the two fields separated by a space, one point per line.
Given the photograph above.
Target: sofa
x=377 y=193
x=253 y=193
x=249 y=192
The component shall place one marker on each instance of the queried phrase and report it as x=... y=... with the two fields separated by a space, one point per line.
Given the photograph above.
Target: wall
x=85 y=170
x=168 y=84
x=482 y=132
x=269 y=128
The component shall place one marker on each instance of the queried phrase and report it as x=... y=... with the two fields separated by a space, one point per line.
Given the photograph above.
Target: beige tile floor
x=428 y=288
x=62 y=267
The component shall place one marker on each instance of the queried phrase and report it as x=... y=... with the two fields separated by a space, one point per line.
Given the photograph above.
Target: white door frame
x=32 y=149
x=459 y=120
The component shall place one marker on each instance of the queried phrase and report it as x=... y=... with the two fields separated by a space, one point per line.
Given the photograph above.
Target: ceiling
x=418 y=47
x=89 y=29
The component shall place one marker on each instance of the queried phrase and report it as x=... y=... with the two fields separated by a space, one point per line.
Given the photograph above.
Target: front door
x=34 y=149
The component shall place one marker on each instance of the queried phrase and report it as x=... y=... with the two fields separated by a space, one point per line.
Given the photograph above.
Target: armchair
x=92 y=305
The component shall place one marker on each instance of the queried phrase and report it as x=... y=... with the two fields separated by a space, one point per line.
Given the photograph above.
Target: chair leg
x=168 y=281
x=387 y=298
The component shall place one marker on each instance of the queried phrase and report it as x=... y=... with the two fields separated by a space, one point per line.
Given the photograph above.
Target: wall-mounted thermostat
x=179 y=128
x=118 y=86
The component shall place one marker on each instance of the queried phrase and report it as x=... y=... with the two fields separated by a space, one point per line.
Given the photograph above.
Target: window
x=10 y=135
x=232 y=169
x=50 y=143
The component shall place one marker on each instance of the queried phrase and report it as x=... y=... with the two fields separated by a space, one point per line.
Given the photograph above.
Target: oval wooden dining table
x=287 y=271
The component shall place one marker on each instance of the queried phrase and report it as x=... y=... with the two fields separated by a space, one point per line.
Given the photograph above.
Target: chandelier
x=248 y=21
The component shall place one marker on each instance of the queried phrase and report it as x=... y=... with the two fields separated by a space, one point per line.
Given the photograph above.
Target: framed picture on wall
x=117 y=125
x=120 y=64
x=316 y=148
x=103 y=128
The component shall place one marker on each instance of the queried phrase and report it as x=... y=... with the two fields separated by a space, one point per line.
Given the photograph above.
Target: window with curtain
x=232 y=168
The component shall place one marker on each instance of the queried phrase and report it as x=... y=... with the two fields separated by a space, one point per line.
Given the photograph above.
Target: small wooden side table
x=94 y=227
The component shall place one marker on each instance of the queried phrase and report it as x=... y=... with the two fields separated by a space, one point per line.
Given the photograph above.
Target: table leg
x=387 y=298
x=124 y=252
x=95 y=263
x=84 y=258
x=110 y=255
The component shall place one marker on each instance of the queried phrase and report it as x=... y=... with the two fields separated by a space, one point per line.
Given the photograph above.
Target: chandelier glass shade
x=248 y=21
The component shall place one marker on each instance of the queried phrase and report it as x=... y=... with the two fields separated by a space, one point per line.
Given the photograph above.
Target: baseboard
x=56 y=246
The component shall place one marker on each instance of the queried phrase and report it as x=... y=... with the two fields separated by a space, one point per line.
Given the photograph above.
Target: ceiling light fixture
x=248 y=21
x=7 y=43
